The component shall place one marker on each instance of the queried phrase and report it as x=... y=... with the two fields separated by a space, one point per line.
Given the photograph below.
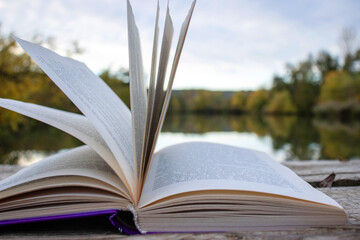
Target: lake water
x=286 y=138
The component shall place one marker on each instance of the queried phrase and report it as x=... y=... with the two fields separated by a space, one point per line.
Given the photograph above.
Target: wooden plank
x=347 y=233
x=324 y=166
x=347 y=172
x=340 y=233
x=349 y=199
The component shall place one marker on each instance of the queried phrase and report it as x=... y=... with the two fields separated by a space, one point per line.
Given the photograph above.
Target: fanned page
x=197 y=166
x=137 y=90
x=75 y=124
x=151 y=94
x=162 y=98
x=180 y=45
x=159 y=89
x=96 y=101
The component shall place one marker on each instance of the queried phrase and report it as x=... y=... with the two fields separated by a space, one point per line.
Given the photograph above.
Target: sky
x=231 y=44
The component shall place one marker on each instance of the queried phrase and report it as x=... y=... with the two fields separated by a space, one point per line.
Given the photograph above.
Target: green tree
x=117 y=83
x=279 y=84
x=211 y=102
x=304 y=87
x=175 y=105
x=325 y=63
x=257 y=101
x=340 y=86
x=281 y=102
x=238 y=102
x=21 y=79
x=339 y=95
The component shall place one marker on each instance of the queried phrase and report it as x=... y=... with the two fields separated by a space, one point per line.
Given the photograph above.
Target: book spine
x=126 y=221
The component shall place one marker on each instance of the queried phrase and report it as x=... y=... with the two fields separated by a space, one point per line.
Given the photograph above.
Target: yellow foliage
x=238 y=101
x=340 y=86
x=257 y=100
x=281 y=103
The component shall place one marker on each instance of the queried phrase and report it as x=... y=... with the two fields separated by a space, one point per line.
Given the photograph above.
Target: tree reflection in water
x=295 y=138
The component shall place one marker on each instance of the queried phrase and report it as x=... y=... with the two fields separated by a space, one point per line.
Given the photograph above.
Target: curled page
x=137 y=90
x=165 y=99
x=151 y=93
x=164 y=57
x=159 y=91
x=94 y=98
x=76 y=125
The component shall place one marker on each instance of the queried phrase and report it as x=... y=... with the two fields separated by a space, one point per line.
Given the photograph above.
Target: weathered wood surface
x=347 y=173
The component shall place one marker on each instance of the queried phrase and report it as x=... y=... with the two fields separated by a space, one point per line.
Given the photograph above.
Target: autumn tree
x=238 y=102
x=257 y=101
x=281 y=103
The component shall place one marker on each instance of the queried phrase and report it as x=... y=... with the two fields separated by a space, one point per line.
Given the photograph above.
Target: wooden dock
x=345 y=190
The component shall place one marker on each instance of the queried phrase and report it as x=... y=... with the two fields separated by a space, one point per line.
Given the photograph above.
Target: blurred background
x=282 y=77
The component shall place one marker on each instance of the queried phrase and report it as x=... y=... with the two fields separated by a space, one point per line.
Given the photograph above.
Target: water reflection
x=340 y=141
x=33 y=143
x=295 y=138
x=285 y=138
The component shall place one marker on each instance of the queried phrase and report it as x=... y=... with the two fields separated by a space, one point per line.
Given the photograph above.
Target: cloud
x=233 y=44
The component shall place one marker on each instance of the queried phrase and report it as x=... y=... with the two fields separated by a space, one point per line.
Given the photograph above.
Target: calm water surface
x=284 y=138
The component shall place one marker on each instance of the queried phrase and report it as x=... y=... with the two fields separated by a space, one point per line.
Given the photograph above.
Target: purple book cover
x=122 y=220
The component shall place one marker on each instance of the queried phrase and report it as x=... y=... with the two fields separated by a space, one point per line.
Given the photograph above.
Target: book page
x=80 y=161
x=160 y=107
x=94 y=98
x=76 y=125
x=199 y=166
x=159 y=95
x=151 y=94
x=138 y=96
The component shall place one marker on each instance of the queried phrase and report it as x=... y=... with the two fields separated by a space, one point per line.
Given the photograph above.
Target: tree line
x=324 y=85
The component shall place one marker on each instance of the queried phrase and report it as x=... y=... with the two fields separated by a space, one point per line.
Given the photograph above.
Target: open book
x=185 y=187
